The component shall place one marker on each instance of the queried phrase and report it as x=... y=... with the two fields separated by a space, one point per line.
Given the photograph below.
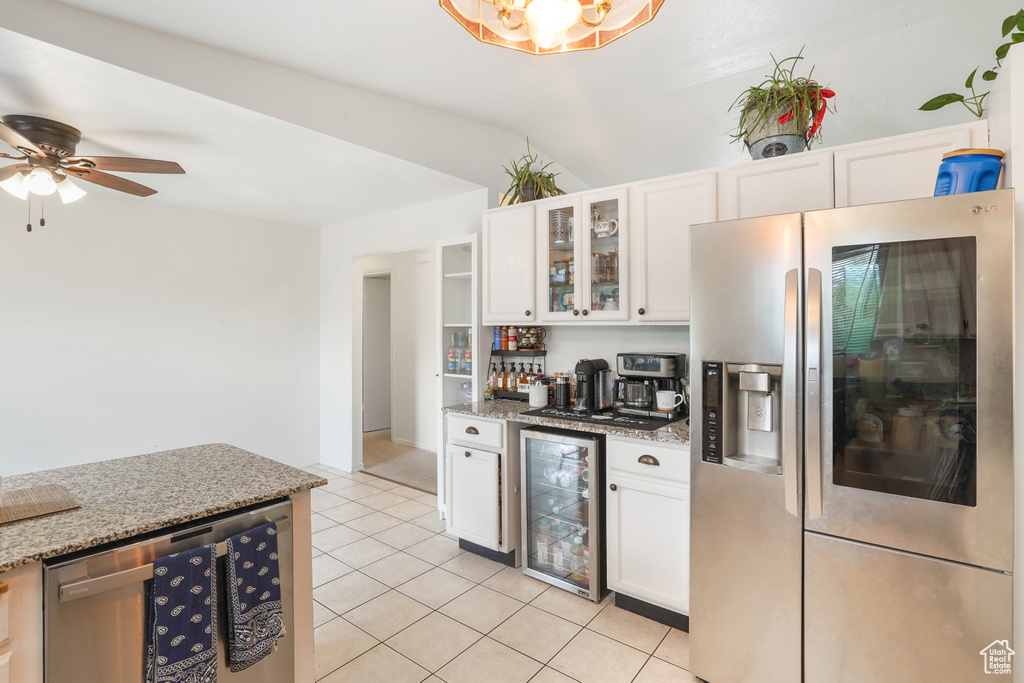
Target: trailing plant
x=975 y=102
x=530 y=179
x=780 y=98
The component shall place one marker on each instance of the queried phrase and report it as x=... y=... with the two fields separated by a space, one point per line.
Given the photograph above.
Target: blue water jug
x=968 y=170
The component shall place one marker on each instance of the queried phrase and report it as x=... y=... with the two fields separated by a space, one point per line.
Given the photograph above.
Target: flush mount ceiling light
x=550 y=26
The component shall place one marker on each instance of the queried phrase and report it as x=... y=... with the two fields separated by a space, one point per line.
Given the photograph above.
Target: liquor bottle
x=492 y=383
x=461 y=354
x=453 y=356
x=467 y=354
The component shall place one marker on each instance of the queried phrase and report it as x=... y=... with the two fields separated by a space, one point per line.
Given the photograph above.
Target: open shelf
x=459 y=276
x=522 y=354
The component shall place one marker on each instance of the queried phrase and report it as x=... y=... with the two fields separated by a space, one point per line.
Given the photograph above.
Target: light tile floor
x=397 y=601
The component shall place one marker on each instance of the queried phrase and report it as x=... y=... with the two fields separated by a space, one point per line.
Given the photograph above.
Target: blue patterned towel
x=254 y=596
x=181 y=641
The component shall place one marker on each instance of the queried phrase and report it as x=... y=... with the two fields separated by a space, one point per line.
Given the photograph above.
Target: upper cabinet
x=901 y=167
x=787 y=184
x=509 y=271
x=662 y=212
x=582 y=257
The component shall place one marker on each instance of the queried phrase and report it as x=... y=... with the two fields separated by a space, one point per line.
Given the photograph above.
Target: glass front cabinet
x=582 y=257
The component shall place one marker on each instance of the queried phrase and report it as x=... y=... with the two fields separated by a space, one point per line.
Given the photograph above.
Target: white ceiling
x=323 y=111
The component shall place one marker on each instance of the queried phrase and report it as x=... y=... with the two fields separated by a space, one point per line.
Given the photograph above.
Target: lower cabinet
x=21 y=624
x=648 y=522
x=482 y=482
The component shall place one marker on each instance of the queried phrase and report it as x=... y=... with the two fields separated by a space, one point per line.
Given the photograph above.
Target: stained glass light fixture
x=551 y=26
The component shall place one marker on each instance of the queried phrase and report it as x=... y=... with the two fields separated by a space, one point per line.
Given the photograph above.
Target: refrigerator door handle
x=789 y=405
x=812 y=405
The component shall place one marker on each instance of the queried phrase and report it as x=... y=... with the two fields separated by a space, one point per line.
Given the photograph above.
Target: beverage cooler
x=562 y=510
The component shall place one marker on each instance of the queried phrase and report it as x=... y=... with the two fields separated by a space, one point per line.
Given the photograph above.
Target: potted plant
x=530 y=179
x=783 y=114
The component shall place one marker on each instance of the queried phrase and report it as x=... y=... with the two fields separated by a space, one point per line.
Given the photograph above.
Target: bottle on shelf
x=453 y=356
x=467 y=391
x=497 y=339
x=492 y=383
x=576 y=562
x=513 y=343
x=503 y=378
x=513 y=378
x=558 y=557
x=460 y=354
x=504 y=339
x=544 y=543
x=524 y=379
x=467 y=354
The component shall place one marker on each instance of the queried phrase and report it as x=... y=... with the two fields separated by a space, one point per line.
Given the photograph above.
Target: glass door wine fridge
x=562 y=509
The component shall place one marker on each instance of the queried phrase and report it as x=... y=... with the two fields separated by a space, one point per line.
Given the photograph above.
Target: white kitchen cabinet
x=509 y=265
x=583 y=257
x=786 y=184
x=648 y=522
x=482 y=482
x=21 y=649
x=900 y=167
x=662 y=212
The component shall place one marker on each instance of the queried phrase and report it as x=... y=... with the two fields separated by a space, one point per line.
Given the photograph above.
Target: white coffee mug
x=668 y=400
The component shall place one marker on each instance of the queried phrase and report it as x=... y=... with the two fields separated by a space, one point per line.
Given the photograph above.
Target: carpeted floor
x=412 y=467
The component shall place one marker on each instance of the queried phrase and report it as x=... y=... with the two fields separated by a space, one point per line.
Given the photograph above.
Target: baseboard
x=343 y=466
x=508 y=558
x=653 y=612
x=412 y=444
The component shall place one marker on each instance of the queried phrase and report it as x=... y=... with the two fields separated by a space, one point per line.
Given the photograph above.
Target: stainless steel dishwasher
x=95 y=605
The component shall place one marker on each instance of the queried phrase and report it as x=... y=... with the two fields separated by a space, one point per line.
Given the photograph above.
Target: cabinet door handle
x=576 y=312
x=585 y=311
x=613 y=487
x=648 y=460
x=472 y=430
x=468 y=454
x=640 y=311
x=527 y=313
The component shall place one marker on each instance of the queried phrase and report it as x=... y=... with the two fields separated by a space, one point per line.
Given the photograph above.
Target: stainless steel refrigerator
x=561 y=475
x=851 y=431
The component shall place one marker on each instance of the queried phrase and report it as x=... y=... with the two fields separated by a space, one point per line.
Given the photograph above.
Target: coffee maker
x=643 y=374
x=593 y=386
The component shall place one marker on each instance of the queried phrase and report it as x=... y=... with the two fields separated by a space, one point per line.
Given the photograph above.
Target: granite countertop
x=130 y=496
x=502 y=409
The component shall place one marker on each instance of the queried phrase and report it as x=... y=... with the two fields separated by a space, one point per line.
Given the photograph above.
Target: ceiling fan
x=49 y=152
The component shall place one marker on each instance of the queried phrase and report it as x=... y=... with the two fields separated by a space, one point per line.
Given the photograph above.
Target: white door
x=662 y=213
x=509 y=265
x=473 y=495
x=376 y=353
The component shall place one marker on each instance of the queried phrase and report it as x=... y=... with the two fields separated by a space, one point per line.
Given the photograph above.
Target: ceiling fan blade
x=10 y=171
x=126 y=164
x=20 y=142
x=111 y=181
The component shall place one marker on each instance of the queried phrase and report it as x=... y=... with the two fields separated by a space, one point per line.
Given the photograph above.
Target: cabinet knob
x=648 y=460
x=640 y=311
x=472 y=430
x=576 y=312
x=468 y=454
x=613 y=487
x=527 y=313
x=585 y=311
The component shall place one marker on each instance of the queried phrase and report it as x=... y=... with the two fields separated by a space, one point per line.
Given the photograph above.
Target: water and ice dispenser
x=742 y=416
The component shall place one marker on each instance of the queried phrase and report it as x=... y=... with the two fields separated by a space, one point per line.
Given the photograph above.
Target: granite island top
x=503 y=409
x=130 y=496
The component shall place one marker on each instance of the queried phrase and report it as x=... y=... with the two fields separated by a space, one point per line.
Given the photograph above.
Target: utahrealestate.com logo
x=998 y=658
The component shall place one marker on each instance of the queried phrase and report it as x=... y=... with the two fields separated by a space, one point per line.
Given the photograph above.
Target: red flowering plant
x=783 y=104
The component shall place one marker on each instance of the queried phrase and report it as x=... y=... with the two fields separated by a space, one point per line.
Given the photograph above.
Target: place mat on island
x=34 y=502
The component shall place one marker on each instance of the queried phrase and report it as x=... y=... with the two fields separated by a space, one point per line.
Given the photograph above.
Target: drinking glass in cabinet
x=561 y=259
x=604 y=255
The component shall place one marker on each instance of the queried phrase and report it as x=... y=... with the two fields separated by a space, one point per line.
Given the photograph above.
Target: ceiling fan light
x=40 y=181
x=548 y=21
x=68 y=191
x=15 y=185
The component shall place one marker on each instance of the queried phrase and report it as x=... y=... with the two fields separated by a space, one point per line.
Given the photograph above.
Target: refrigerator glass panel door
x=904 y=333
x=915 y=424
x=560 y=539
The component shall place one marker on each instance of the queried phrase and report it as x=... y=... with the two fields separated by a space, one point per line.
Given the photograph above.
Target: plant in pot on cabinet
x=530 y=179
x=783 y=114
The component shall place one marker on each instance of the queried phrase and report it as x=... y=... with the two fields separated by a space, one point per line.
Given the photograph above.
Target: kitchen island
x=130 y=497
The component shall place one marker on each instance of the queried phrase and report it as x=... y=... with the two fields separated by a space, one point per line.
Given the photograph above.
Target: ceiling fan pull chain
x=42 y=213
x=28 y=226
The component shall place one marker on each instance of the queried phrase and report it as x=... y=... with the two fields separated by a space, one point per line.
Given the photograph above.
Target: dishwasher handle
x=94 y=586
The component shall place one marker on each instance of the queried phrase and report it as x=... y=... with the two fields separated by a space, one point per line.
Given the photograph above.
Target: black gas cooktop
x=605 y=417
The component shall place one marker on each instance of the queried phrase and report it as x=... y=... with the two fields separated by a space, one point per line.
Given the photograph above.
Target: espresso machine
x=641 y=375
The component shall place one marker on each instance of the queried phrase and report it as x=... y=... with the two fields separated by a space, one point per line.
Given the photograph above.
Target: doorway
x=377 y=353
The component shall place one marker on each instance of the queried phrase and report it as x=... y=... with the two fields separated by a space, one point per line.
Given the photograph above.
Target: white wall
x=377 y=360
x=568 y=344
x=129 y=326
x=341 y=281
x=413 y=363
